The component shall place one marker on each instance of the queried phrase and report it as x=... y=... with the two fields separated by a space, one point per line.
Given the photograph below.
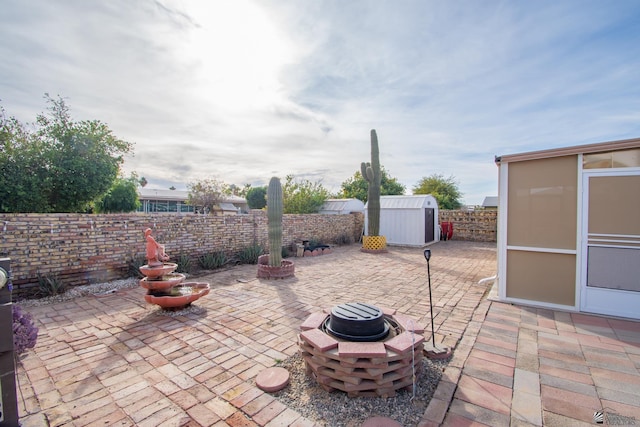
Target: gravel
x=190 y=309
x=78 y=291
x=336 y=409
x=99 y=289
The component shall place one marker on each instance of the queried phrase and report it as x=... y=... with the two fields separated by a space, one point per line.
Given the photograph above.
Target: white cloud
x=243 y=90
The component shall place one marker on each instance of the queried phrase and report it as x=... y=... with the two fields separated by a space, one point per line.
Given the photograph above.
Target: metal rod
x=433 y=339
x=427 y=256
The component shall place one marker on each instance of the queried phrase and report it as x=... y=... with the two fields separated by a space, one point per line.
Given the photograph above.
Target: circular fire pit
x=361 y=349
x=357 y=322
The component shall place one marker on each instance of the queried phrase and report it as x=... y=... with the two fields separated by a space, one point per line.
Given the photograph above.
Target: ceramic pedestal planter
x=178 y=296
x=265 y=271
x=164 y=287
x=163 y=282
x=374 y=244
x=168 y=290
x=159 y=270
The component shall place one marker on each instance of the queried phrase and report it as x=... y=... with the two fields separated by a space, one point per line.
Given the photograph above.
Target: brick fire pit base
x=363 y=368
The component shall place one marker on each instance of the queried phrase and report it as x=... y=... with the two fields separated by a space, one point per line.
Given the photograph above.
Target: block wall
x=476 y=225
x=81 y=249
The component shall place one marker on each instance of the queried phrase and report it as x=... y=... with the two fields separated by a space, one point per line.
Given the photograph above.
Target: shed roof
x=405 y=202
x=490 y=201
x=600 y=147
x=340 y=204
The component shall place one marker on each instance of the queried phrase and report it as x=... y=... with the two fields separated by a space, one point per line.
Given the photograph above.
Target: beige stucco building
x=569 y=228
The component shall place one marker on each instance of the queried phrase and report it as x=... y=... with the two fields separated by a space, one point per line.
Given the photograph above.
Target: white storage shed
x=408 y=220
x=341 y=206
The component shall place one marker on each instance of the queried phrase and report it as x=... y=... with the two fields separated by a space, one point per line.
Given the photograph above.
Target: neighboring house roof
x=161 y=194
x=490 y=202
x=227 y=207
x=179 y=195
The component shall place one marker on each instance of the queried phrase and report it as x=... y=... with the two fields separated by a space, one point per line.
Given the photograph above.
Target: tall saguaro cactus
x=274 y=218
x=371 y=173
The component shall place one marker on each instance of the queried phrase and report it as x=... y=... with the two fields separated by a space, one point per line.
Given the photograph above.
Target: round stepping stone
x=437 y=354
x=272 y=379
x=381 y=422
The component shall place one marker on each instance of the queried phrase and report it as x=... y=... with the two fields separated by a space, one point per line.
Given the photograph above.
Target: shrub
x=212 y=260
x=25 y=333
x=50 y=285
x=285 y=252
x=135 y=263
x=250 y=254
x=343 y=239
x=185 y=263
x=314 y=243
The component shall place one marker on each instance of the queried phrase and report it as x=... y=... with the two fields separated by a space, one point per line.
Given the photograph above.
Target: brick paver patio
x=112 y=360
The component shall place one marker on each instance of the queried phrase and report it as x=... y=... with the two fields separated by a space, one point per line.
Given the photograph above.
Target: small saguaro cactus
x=371 y=173
x=274 y=218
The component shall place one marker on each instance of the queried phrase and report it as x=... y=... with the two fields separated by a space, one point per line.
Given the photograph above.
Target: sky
x=243 y=90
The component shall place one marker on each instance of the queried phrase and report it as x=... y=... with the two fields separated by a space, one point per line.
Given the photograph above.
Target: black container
x=8 y=397
x=356 y=321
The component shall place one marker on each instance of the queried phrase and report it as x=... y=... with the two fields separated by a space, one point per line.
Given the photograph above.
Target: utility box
x=8 y=397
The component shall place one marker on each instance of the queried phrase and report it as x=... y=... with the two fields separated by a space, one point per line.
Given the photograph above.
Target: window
x=612 y=159
x=542 y=203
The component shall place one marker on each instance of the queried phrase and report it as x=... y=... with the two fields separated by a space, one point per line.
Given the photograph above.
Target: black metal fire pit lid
x=356 y=321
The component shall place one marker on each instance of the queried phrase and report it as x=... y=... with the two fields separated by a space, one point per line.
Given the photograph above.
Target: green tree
x=257 y=197
x=121 y=197
x=356 y=186
x=206 y=193
x=303 y=197
x=57 y=165
x=22 y=174
x=234 y=190
x=445 y=190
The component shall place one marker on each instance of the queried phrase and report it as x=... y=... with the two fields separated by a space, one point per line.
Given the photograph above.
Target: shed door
x=428 y=225
x=611 y=244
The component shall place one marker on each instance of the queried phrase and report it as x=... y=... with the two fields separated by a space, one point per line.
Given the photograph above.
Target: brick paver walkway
x=112 y=360
x=530 y=366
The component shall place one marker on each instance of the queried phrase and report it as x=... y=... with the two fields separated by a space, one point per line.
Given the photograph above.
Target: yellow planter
x=374 y=243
